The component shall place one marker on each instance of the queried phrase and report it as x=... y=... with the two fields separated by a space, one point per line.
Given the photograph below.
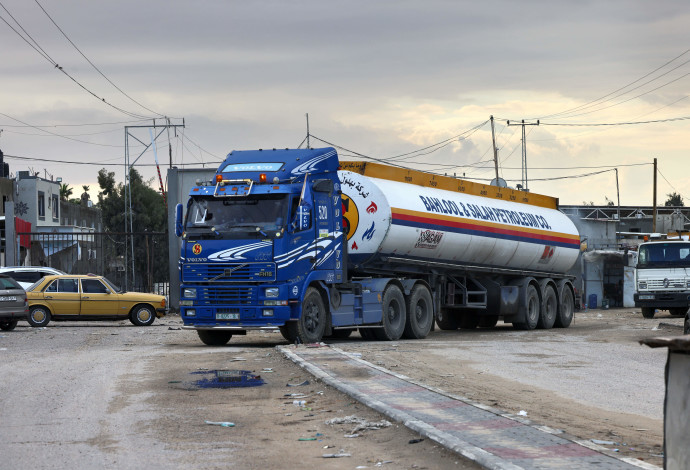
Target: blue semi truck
x=297 y=240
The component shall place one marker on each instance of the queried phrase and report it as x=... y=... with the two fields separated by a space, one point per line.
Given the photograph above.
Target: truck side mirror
x=178 y=220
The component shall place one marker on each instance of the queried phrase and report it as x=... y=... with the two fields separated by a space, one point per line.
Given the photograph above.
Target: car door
x=97 y=299
x=62 y=297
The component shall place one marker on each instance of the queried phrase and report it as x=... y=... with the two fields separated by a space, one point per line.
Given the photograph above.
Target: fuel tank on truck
x=411 y=217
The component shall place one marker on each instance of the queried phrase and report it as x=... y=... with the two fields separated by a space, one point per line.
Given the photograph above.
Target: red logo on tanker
x=547 y=254
x=196 y=249
x=372 y=208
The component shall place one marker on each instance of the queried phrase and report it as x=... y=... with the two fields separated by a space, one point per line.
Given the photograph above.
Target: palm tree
x=65 y=191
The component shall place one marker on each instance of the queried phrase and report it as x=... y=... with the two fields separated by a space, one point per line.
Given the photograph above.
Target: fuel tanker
x=297 y=240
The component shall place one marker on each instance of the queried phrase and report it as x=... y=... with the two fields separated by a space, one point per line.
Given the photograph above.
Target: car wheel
x=214 y=337
x=8 y=325
x=142 y=315
x=39 y=316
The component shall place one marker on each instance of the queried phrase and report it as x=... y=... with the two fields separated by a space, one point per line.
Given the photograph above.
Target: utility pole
x=654 y=203
x=493 y=144
x=618 y=195
x=524 y=149
x=307 y=115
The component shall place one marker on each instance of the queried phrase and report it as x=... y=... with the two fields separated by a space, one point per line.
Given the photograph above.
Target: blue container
x=592 y=301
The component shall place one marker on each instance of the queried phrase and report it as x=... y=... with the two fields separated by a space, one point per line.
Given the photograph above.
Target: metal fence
x=135 y=261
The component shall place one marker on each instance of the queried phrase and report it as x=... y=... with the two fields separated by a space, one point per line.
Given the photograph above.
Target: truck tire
x=288 y=333
x=488 y=321
x=678 y=312
x=394 y=316
x=8 y=325
x=532 y=311
x=214 y=337
x=469 y=320
x=420 y=313
x=312 y=322
x=549 y=309
x=566 y=309
x=447 y=320
x=648 y=312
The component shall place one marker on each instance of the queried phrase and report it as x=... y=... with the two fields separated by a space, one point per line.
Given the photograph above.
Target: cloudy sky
x=379 y=78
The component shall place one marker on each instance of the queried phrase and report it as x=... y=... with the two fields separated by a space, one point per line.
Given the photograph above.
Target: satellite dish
x=500 y=182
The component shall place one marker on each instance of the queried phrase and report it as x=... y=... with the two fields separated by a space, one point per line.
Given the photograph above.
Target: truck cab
x=663 y=277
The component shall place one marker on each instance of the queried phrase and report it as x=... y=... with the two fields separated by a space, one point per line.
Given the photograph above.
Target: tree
x=674 y=199
x=148 y=215
x=65 y=191
x=609 y=202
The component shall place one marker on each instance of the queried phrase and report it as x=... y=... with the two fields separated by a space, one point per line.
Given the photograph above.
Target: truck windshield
x=257 y=215
x=672 y=255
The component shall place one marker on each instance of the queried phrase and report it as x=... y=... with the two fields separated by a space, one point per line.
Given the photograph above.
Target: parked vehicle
x=89 y=297
x=27 y=275
x=13 y=305
x=298 y=240
x=662 y=277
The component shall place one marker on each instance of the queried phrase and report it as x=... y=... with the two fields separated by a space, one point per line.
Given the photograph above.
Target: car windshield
x=671 y=254
x=34 y=285
x=237 y=217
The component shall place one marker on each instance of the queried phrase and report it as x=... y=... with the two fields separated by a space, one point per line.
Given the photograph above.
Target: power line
x=92 y=64
x=655 y=121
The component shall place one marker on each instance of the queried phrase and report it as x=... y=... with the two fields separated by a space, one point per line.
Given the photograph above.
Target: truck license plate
x=8 y=299
x=646 y=297
x=227 y=316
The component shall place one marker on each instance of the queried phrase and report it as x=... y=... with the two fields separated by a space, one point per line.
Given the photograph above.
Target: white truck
x=662 y=277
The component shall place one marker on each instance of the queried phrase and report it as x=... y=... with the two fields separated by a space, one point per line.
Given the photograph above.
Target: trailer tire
x=394 y=317
x=566 y=309
x=549 y=309
x=420 y=313
x=648 y=312
x=447 y=320
x=214 y=337
x=488 y=321
x=312 y=322
x=532 y=311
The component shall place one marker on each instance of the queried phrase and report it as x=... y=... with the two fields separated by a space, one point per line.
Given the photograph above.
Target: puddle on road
x=227 y=379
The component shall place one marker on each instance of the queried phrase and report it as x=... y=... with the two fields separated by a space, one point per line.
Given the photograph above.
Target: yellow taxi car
x=89 y=297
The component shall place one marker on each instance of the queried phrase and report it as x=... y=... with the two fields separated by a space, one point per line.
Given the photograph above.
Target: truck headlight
x=642 y=285
x=190 y=312
x=189 y=293
x=267 y=312
x=271 y=292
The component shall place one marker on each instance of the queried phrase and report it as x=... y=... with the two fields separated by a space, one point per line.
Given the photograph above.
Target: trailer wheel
x=549 y=310
x=394 y=316
x=488 y=321
x=447 y=320
x=420 y=313
x=532 y=311
x=214 y=337
x=312 y=323
x=566 y=309
x=648 y=312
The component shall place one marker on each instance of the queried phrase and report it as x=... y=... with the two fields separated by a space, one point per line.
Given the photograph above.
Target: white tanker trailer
x=482 y=252
x=297 y=240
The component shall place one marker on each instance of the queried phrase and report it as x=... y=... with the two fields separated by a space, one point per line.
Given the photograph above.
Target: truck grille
x=673 y=284
x=228 y=272
x=228 y=295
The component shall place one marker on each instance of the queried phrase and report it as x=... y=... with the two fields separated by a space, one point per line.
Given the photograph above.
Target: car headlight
x=189 y=293
x=271 y=292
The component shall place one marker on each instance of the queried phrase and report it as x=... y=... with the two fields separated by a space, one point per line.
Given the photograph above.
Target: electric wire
x=669 y=183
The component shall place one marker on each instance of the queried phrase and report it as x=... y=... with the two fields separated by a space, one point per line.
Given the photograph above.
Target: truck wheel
x=394 y=316
x=469 y=321
x=312 y=322
x=532 y=312
x=214 y=337
x=38 y=316
x=566 y=309
x=678 y=312
x=420 y=313
x=648 y=312
x=8 y=325
x=549 y=310
x=288 y=332
x=488 y=321
x=447 y=320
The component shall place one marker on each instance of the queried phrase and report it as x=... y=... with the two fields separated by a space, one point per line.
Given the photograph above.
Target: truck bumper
x=662 y=300
x=235 y=318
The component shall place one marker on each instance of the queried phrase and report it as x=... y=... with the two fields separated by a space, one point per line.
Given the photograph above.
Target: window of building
x=41 y=205
x=56 y=208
